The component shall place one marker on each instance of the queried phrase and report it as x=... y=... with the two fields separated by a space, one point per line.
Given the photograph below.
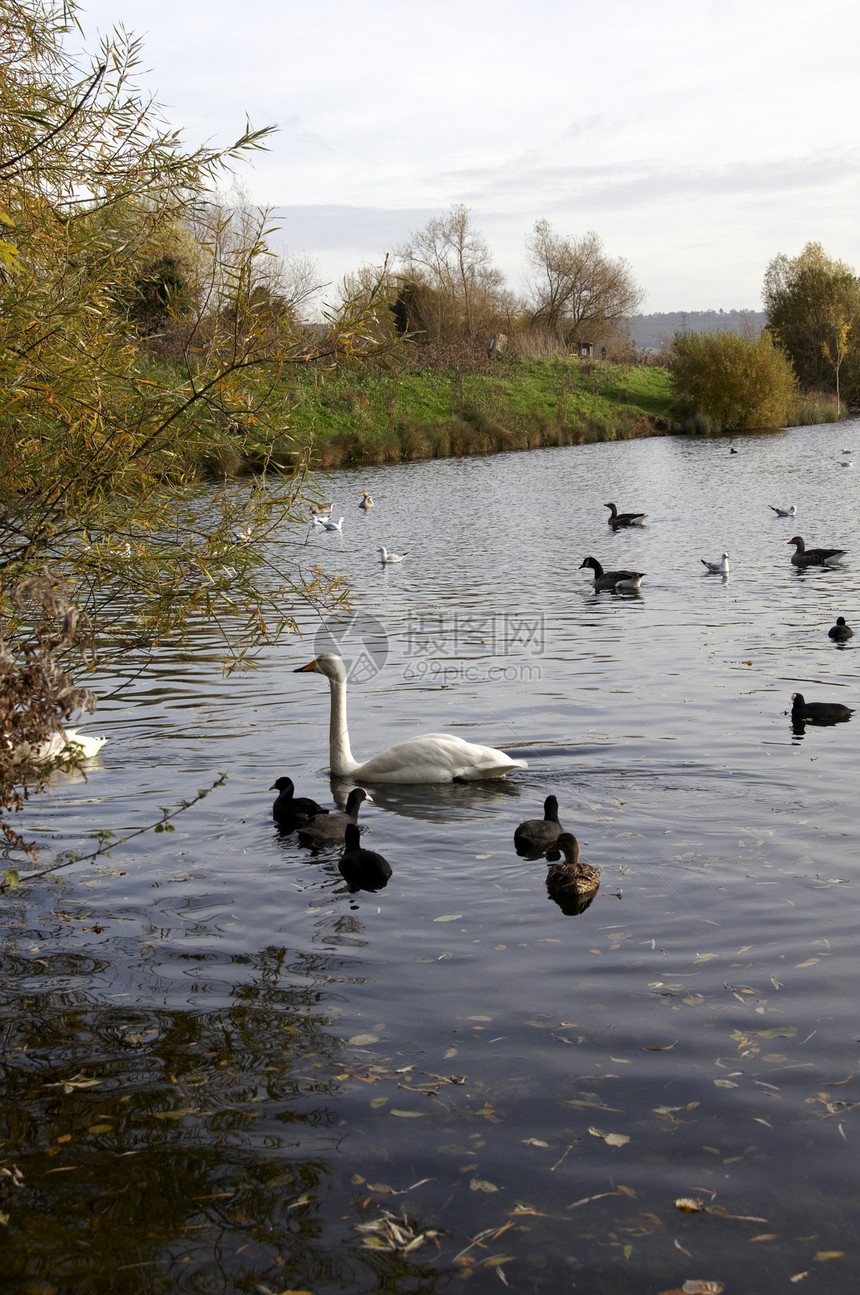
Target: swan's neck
x=340 y=756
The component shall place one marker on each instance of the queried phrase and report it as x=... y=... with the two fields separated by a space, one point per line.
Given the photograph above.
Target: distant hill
x=652 y=332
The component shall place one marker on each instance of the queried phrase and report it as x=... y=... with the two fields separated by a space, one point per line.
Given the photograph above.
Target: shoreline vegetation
x=408 y=412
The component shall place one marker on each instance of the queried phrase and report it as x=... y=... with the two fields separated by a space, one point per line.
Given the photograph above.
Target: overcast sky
x=698 y=139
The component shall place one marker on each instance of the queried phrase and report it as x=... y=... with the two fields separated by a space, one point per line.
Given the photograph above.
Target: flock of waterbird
x=320 y=519
x=442 y=757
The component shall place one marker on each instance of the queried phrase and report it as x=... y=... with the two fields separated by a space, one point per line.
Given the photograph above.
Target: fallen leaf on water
x=660 y=1047
x=481 y=1185
x=689 y=1204
x=798 y=1277
x=586 y=1200
x=693 y=1000
x=534 y=1142
x=702 y=1288
x=449 y=917
x=810 y=962
x=598 y=1106
x=725 y=1083
x=823 y=1255
x=407 y=1115
x=765 y=1236
x=376 y=1102
x=611 y=1139
x=360 y=1040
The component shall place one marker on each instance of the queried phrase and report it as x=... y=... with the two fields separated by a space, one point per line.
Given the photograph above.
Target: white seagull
x=720 y=568
x=332 y=526
x=386 y=558
x=784 y=512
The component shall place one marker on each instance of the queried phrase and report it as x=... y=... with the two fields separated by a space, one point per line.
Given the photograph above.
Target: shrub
x=737 y=382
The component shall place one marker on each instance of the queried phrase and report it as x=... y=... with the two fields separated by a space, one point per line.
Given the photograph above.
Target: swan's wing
x=436 y=757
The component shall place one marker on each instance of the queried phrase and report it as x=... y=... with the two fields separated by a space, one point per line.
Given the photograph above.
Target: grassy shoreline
x=395 y=415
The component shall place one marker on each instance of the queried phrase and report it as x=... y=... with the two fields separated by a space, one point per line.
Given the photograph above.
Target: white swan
x=720 y=568
x=433 y=757
x=66 y=742
x=385 y=557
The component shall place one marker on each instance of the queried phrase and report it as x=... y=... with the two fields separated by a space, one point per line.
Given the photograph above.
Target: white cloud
x=699 y=139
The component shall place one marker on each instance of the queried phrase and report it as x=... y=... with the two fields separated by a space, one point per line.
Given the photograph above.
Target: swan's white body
x=386 y=558
x=720 y=568
x=66 y=742
x=433 y=757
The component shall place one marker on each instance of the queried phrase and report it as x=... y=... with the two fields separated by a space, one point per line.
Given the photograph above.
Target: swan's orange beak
x=311 y=665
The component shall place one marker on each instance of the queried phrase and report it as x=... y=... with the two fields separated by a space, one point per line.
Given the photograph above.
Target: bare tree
x=450 y=259
x=574 y=286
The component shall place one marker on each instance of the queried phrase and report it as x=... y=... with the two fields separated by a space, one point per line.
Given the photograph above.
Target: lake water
x=224 y=1072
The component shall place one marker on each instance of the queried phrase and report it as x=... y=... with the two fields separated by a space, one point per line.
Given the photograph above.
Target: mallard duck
x=625 y=581
x=329 y=829
x=290 y=811
x=720 y=568
x=804 y=557
x=366 y=501
x=537 y=835
x=362 y=869
x=571 y=874
x=840 y=632
x=617 y=520
x=818 y=712
x=435 y=757
x=387 y=558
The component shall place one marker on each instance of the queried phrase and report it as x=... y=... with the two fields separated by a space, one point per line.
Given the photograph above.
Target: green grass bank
x=405 y=413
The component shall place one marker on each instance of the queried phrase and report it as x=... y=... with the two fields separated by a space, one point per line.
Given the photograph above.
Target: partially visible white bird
x=386 y=558
x=784 y=512
x=332 y=526
x=846 y=463
x=241 y=534
x=66 y=742
x=720 y=568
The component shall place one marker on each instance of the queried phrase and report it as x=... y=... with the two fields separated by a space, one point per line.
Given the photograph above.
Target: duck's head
x=569 y=846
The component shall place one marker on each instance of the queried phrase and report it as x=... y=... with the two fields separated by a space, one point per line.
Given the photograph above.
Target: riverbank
x=410 y=413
